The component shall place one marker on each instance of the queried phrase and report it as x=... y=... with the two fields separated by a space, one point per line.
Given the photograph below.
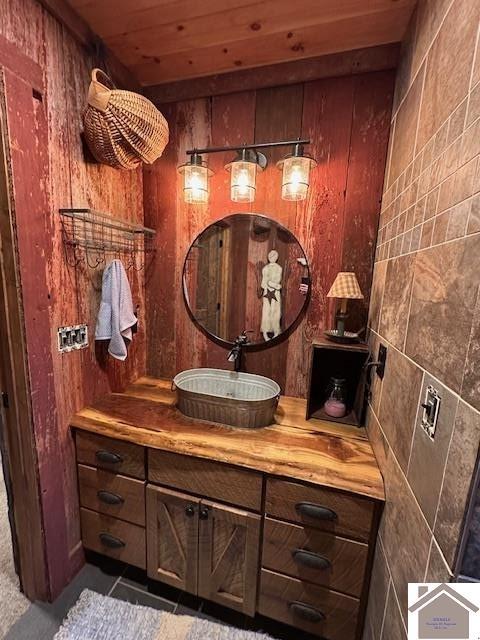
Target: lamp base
x=340 y=317
x=347 y=337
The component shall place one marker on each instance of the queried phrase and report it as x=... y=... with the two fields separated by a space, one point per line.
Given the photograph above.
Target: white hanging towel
x=116 y=316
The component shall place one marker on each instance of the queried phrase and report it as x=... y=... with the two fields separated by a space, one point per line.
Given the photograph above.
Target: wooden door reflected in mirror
x=245 y=273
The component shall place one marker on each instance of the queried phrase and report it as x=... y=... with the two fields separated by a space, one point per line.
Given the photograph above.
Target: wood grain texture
x=172 y=538
x=277 y=592
x=131 y=493
x=166 y=41
x=79 y=29
x=284 y=122
x=131 y=457
x=354 y=515
x=284 y=449
x=17 y=437
x=15 y=60
x=221 y=482
x=229 y=543
x=368 y=148
x=160 y=184
x=94 y=524
x=347 y=558
x=27 y=124
x=335 y=114
x=346 y=63
x=55 y=294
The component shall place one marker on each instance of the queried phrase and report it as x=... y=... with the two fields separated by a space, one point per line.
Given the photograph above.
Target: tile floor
x=41 y=621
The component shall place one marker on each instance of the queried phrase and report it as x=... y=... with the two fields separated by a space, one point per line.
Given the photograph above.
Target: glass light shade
x=195 y=183
x=296 y=177
x=242 y=181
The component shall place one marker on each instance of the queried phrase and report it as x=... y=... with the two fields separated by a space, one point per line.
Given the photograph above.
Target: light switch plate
x=431 y=409
x=72 y=338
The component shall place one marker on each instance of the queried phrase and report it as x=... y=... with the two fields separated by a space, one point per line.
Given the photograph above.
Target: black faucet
x=235 y=355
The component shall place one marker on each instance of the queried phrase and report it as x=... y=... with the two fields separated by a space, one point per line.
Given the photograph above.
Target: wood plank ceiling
x=167 y=40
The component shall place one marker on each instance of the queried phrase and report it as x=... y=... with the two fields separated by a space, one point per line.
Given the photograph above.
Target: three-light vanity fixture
x=243 y=170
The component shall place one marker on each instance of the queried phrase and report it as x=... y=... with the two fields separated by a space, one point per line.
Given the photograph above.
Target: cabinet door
x=228 y=556
x=172 y=538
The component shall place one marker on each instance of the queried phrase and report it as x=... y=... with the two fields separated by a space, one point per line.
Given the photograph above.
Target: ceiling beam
x=337 y=64
x=94 y=45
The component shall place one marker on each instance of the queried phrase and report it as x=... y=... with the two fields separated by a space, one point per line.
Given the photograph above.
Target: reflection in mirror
x=246 y=272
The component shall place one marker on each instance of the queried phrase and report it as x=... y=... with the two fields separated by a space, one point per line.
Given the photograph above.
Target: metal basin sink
x=236 y=399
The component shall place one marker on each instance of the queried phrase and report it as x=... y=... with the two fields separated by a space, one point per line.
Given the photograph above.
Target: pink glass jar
x=335 y=405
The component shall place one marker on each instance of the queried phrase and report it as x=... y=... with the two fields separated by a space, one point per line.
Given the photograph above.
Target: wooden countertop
x=314 y=451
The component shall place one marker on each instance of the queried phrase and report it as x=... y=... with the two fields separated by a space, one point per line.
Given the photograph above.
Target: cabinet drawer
x=112 y=494
x=318 y=507
x=308 y=607
x=309 y=554
x=115 y=538
x=114 y=455
x=202 y=477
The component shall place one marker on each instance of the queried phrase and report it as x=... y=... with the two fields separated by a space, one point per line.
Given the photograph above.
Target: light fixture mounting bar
x=259 y=145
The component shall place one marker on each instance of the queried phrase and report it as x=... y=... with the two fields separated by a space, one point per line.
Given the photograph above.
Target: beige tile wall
x=426 y=308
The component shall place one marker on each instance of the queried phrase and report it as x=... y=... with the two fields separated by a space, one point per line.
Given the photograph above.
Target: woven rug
x=97 y=617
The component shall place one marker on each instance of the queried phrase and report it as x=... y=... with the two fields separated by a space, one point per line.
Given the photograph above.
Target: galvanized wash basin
x=227 y=397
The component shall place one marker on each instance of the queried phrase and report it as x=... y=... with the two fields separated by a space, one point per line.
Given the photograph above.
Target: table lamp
x=346 y=288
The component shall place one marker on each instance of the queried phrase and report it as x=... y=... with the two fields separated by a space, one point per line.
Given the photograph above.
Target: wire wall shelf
x=96 y=238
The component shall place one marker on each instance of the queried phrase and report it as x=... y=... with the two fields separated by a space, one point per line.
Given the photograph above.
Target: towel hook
x=98 y=260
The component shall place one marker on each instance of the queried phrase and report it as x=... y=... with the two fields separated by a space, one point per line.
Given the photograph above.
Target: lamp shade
x=195 y=180
x=244 y=170
x=345 y=286
x=242 y=182
x=296 y=173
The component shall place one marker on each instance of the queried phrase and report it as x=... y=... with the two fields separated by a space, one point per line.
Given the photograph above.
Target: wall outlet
x=431 y=409
x=72 y=338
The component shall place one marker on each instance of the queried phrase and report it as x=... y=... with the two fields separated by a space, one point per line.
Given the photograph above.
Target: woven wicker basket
x=122 y=128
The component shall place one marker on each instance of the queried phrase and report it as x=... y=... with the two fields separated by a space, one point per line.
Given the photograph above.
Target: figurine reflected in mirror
x=271 y=296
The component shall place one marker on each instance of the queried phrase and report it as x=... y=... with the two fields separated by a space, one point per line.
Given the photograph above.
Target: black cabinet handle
x=111 y=541
x=316 y=511
x=190 y=510
x=204 y=513
x=306 y=611
x=311 y=559
x=110 y=498
x=107 y=456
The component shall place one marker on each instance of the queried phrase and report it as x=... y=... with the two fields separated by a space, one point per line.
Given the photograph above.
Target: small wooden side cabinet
x=346 y=361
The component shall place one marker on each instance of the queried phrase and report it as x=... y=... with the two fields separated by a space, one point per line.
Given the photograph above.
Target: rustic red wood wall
x=347 y=120
x=54 y=293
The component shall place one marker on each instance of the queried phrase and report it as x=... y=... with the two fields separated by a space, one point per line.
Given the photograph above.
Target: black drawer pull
x=306 y=611
x=311 y=559
x=111 y=541
x=108 y=456
x=204 y=513
x=110 y=498
x=313 y=510
x=190 y=510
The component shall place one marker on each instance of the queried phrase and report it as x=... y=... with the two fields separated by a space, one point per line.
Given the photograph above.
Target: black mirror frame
x=258 y=346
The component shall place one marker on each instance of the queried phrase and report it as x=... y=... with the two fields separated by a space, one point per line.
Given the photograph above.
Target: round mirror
x=246 y=273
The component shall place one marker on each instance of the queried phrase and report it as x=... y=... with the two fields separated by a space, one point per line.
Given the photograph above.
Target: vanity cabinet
x=203 y=547
x=264 y=521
